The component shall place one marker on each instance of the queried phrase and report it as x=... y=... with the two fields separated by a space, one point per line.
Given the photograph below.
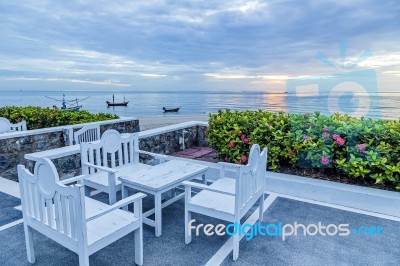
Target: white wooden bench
x=63 y=214
x=115 y=155
x=88 y=133
x=229 y=199
x=6 y=126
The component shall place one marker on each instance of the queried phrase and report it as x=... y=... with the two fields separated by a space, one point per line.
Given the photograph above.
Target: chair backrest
x=87 y=134
x=250 y=184
x=50 y=207
x=6 y=126
x=113 y=150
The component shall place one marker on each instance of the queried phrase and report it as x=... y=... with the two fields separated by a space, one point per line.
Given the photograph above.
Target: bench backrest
x=6 y=126
x=50 y=207
x=87 y=134
x=113 y=150
x=250 y=183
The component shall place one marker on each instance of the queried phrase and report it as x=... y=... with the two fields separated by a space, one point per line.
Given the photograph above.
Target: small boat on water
x=68 y=105
x=168 y=110
x=111 y=104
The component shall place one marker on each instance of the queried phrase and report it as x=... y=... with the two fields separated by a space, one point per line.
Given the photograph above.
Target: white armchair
x=229 y=199
x=113 y=156
x=63 y=214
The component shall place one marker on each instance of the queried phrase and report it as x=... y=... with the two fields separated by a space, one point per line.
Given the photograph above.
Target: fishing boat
x=110 y=104
x=68 y=105
x=170 y=110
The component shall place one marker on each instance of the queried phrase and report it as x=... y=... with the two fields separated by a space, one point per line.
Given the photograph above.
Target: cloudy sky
x=192 y=44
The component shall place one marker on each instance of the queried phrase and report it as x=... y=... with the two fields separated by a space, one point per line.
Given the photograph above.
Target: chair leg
x=139 y=245
x=124 y=194
x=261 y=208
x=236 y=240
x=29 y=244
x=112 y=196
x=188 y=236
x=87 y=191
x=158 y=214
x=83 y=258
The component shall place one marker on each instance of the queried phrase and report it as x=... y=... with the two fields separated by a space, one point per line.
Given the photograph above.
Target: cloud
x=168 y=44
x=104 y=82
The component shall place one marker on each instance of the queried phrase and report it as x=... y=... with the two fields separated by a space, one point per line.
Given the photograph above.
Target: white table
x=159 y=179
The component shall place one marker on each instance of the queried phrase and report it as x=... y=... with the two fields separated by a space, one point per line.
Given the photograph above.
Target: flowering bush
x=37 y=117
x=360 y=148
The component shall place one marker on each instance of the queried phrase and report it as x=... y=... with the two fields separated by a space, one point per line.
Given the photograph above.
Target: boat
x=68 y=105
x=110 y=104
x=168 y=110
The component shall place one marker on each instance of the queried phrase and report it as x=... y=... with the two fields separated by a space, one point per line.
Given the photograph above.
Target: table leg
x=124 y=194
x=204 y=179
x=158 y=214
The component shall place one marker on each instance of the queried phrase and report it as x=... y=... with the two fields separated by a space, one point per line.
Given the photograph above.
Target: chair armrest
x=205 y=187
x=72 y=179
x=159 y=156
x=102 y=168
x=134 y=198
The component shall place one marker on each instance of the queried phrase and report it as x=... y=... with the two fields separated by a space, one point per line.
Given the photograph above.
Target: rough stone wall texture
x=167 y=143
x=13 y=150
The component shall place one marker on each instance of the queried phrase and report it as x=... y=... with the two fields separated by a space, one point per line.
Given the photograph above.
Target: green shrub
x=360 y=148
x=37 y=117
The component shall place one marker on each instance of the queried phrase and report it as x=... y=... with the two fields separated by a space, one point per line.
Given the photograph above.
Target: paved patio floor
x=170 y=249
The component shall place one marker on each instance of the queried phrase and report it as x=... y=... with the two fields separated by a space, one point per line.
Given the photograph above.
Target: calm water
x=385 y=105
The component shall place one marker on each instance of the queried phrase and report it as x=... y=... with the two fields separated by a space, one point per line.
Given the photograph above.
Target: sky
x=193 y=44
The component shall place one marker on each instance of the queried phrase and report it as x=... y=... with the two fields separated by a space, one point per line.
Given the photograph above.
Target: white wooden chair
x=63 y=214
x=104 y=161
x=88 y=133
x=6 y=126
x=229 y=199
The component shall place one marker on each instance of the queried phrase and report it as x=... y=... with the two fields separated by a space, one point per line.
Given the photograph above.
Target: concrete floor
x=170 y=249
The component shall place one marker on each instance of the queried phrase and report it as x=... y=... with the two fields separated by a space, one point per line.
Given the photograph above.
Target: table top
x=163 y=175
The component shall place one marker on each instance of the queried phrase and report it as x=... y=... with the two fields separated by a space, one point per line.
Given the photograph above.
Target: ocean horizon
x=385 y=105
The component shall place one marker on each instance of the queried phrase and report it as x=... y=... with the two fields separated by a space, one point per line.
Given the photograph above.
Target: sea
x=150 y=103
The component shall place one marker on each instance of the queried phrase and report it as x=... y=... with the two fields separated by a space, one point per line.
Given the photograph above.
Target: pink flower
x=232 y=131
x=361 y=148
x=324 y=160
x=244 y=158
x=325 y=129
x=306 y=138
x=335 y=136
x=291 y=152
x=340 y=141
x=246 y=140
x=325 y=135
x=242 y=137
x=231 y=144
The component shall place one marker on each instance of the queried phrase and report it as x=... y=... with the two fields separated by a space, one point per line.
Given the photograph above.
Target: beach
x=150 y=122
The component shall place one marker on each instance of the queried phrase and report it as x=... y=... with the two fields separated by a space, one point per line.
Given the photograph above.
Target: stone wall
x=13 y=149
x=168 y=142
